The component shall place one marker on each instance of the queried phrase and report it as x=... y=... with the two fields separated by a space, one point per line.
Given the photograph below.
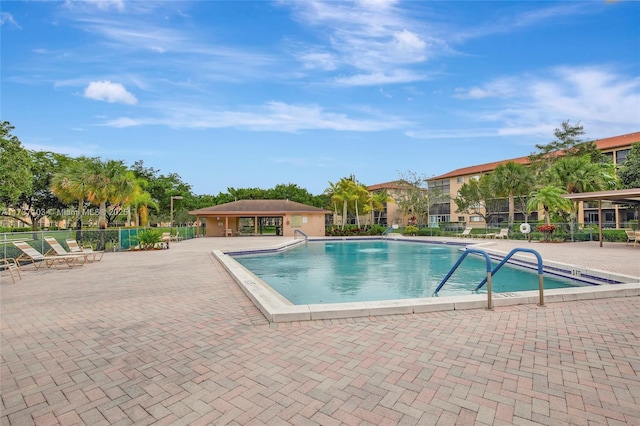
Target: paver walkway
x=168 y=338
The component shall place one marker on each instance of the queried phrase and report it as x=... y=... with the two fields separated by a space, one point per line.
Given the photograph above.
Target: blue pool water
x=358 y=271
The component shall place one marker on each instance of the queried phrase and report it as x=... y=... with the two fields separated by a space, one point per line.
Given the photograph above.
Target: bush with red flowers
x=547 y=230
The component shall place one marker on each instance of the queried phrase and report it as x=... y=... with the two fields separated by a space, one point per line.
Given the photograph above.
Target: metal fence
x=114 y=239
x=561 y=232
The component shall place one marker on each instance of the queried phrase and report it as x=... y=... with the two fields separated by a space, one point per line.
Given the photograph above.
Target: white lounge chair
x=504 y=233
x=75 y=248
x=176 y=237
x=465 y=233
x=57 y=250
x=29 y=254
x=632 y=236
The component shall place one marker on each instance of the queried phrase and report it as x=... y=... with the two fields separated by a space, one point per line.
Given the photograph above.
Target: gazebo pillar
x=600 y=221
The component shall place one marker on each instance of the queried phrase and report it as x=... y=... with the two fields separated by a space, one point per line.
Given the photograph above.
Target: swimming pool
x=361 y=271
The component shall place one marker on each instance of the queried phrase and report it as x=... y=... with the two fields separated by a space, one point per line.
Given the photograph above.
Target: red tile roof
x=602 y=144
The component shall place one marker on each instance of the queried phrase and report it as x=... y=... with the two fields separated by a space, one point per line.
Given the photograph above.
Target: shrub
x=148 y=238
x=411 y=230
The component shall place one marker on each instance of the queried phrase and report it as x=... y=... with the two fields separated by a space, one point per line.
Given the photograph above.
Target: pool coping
x=276 y=308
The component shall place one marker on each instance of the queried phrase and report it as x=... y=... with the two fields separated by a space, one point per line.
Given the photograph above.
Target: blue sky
x=253 y=94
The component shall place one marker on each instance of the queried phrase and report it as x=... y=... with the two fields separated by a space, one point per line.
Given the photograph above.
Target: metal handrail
x=297 y=231
x=487 y=280
x=387 y=231
x=540 y=270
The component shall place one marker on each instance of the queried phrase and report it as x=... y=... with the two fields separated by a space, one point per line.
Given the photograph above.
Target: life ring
x=525 y=228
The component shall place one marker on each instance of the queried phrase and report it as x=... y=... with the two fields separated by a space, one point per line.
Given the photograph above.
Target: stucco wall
x=311 y=224
x=216 y=228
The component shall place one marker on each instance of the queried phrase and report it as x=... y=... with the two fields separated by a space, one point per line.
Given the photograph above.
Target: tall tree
x=415 y=197
x=551 y=199
x=109 y=182
x=478 y=197
x=40 y=201
x=512 y=179
x=332 y=192
x=378 y=200
x=15 y=175
x=629 y=170
x=580 y=174
x=568 y=143
x=69 y=184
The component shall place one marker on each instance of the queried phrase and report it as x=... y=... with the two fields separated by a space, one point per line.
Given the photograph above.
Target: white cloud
x=408 y=46
x=499 y=88
x=604 y=101
x=395 y=76
x=316 y=60
x=7 y=18
x=110 y=92
x=273 y=116
x=372 y=37
x=119 y=5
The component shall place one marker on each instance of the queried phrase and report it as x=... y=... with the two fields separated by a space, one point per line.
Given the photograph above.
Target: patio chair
x=465 y=233
x=504 y=233
x=176 y=237
x=11 y=265
x=632 y=237
x=57 y=250
x=29 y=254
x=75 y=248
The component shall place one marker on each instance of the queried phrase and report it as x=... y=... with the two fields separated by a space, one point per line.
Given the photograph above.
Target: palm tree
x=580 y=174
x=140 y=201
x=378 y=200
x=69 y=184
x=332 y=191
x=511 y=179
x=551 y=199
x=109 y=181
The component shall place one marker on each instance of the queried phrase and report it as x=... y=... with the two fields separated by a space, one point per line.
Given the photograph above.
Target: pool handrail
x=508 y=256
x=387 y=231
x=297 y=231
x=454 y=267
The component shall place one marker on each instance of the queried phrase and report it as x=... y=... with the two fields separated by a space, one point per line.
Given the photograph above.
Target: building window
x=475 y=218
x=460 y=218
x=621 y=155
x=460 y=179
x=608 y=157
x=440 y=185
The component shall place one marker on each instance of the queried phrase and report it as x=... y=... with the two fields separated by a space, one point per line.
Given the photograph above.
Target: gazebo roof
x=630 y=196
x=258 y=207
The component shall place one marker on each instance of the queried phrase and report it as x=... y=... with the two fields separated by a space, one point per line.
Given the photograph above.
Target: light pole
x=174 y=197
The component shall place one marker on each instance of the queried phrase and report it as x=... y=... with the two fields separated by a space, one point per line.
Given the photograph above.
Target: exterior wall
x=216 y=227
x=616 y=154
x=311 y=224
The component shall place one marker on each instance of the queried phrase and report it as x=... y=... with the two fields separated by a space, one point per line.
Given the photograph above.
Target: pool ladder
x=297 y=231
x=491 y=272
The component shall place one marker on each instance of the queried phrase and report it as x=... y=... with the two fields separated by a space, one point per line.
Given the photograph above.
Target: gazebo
x=620 y=196
x=262 y=217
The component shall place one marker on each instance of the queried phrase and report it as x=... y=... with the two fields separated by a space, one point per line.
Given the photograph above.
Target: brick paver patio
x=168 y=338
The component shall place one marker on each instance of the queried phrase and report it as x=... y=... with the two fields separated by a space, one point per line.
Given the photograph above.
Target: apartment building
x=616 y=148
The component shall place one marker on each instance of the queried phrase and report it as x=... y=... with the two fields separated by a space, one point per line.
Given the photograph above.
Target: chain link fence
x=115 y=239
